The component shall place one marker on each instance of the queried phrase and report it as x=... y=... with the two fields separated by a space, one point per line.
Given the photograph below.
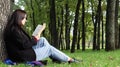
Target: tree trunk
x=74 y=41
x=52 y=24
x=78 y=39
x=102 y=32
x=94 y=36
x=4 y=13
x=62 y=29
x=119 y=37
x=83 y=26
x=94 y=24
x=98 y=21
x=116 y=25
x=67 y=27
x=110 y=25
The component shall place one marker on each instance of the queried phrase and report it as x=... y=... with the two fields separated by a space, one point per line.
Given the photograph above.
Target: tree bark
x=75 y=27
x=78 y=39
x=98 y=21
x=62 y=29
x=52 y=24
x=4 y=13
x=67 y=27
x=94 y=24
x=83 y=26
x=102 y=32
x=110 y=25
x=116 y=25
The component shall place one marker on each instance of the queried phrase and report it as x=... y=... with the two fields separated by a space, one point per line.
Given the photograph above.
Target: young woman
x=21 y=47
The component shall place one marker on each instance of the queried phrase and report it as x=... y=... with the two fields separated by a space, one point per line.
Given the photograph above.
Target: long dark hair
x=16 y=17
x=14 y=21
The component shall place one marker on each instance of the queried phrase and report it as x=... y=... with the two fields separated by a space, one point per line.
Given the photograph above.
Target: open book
x=37 y=30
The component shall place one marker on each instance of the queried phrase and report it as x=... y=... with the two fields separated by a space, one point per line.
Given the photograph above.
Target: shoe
x=9 y=62
x=75 y=61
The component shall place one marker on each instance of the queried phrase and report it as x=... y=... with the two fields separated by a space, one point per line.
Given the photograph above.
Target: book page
x=37 y=30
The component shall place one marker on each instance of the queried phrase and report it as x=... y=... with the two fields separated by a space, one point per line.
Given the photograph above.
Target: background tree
x=52 y=24
x=60 y=17
x=83 y=25
x=98 y=21
x=74 y=41
x=94 y=24
x=110 y=25
x=67 y=26
x=116 y=25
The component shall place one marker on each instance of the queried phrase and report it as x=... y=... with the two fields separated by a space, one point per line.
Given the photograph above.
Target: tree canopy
x=79 y=24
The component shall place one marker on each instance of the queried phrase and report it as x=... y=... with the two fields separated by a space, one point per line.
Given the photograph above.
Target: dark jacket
x=19 y=45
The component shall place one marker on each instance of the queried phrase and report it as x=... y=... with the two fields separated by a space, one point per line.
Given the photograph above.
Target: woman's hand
x=44 y=26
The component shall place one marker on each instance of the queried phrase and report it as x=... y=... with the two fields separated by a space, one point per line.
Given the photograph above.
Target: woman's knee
x=44 y=40
x=41 y=41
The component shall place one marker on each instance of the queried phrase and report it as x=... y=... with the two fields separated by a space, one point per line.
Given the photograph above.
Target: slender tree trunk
x=75 y=27
x=94 y=36
x=59 y=32
x=119 y=37
x=116 y=25
x=110 y=25
x=52 y=24
x=62 y=37
x=102 y=32
x=83 y=26
x=99 y=20
x=94 y=24
x=67 y=27
x=78 y=42
x=4 y=13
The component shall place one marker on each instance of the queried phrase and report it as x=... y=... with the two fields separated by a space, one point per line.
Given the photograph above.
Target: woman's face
x=23 y=21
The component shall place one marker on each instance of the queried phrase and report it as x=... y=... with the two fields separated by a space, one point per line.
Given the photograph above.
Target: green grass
x=90 y=59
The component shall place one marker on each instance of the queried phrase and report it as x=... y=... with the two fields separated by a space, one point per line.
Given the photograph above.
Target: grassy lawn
x=90 y=59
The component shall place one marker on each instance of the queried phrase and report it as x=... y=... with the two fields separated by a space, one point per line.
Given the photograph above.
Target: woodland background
x=71 y=24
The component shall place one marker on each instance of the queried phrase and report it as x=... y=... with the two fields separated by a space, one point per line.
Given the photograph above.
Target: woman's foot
x=73 y=60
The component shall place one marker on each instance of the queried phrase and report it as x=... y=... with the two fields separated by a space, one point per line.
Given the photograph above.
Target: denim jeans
x=44 y=50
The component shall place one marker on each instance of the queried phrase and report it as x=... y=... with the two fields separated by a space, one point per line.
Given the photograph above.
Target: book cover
x=37 y=30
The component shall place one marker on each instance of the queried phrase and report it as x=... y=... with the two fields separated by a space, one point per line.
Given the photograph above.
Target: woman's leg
x=43 y=50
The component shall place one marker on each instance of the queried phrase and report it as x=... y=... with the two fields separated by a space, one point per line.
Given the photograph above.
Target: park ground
x=90 y=59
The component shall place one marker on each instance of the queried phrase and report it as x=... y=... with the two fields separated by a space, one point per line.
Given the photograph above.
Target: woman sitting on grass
x=21 y=47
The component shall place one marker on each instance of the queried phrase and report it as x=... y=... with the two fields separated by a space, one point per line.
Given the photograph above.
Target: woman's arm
x=22 y=40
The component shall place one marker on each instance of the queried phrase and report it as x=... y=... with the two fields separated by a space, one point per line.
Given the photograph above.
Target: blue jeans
x=43 y=50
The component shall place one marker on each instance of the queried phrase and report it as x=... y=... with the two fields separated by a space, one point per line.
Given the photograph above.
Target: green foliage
x=41 y=10
x=90 y=59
